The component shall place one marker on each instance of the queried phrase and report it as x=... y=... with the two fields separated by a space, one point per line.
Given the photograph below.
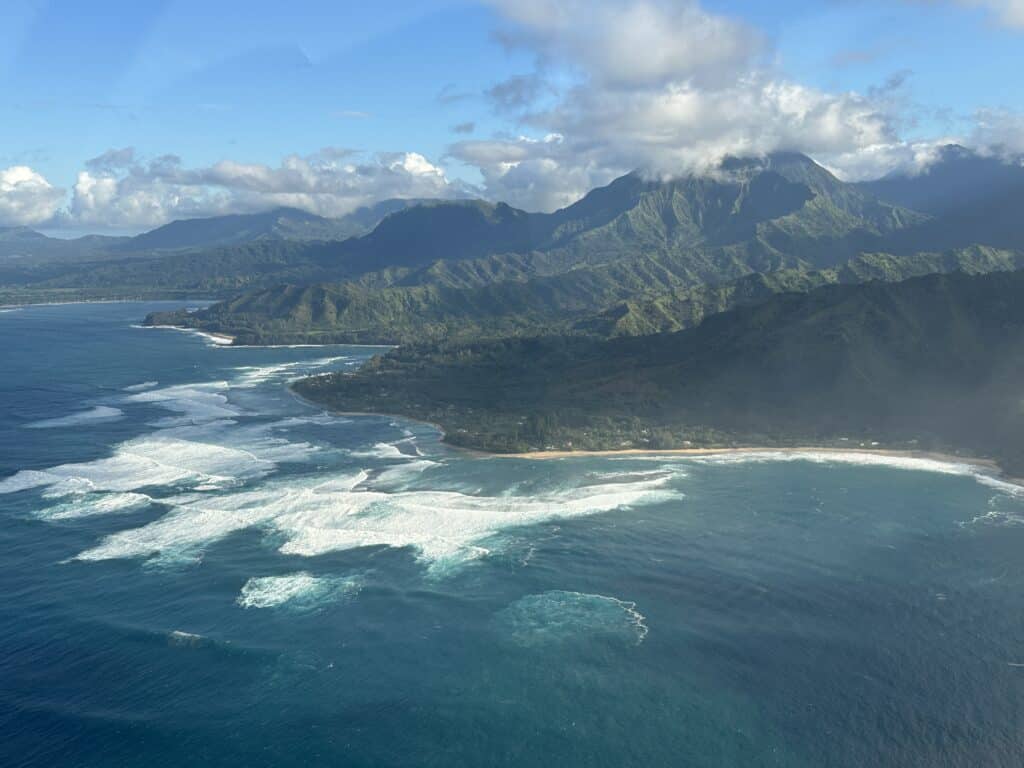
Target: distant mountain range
x=972 y=199
x=633 y=257
x=958 y=177
x=204 y=256
x=930 y=362
x=25 y=245
x=289 y=224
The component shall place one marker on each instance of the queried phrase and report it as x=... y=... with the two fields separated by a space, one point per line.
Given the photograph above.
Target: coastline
x=226 y=340
x=104 y=301
x=985 y=467
x=220 y=339
x=434 y=425
x=949 y=458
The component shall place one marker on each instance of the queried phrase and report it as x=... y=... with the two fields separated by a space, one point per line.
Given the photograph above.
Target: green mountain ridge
x=471 y=267
x=782 y=211
x=626 y=298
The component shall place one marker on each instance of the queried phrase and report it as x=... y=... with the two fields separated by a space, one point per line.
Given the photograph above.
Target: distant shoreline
x=103 y=301
x=225 y=340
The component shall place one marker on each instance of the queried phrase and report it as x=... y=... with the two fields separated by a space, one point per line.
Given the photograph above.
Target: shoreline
x=987 y=467
x=433 y=425
x=220 y=339
x=101 y=301
x=949 y=458
x=226 y=340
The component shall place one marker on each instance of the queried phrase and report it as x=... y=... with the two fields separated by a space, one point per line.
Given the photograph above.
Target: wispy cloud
x=450 y=93
x=351 y=114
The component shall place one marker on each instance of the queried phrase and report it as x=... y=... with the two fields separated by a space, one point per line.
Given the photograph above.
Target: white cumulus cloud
x=120 y=191
x=26 y=197
x=665 y=87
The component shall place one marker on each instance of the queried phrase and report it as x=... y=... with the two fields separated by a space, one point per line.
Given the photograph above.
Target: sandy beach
x=906 y=454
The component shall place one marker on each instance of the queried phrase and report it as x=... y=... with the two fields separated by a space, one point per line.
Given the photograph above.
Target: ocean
x=198 y=568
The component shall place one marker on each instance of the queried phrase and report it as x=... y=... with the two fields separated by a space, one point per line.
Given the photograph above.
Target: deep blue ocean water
x=196 y=568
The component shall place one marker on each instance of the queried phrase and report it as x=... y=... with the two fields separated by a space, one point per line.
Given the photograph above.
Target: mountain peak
x=958 y=179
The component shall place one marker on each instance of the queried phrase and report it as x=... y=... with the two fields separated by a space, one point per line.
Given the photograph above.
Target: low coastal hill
x=929 y=362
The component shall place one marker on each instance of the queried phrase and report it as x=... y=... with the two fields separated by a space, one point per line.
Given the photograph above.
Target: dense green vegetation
x=629 y=298
x=753 y=216
x=930 y=362
x=636 y=248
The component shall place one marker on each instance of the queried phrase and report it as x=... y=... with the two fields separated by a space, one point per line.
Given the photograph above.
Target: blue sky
x=234 y=89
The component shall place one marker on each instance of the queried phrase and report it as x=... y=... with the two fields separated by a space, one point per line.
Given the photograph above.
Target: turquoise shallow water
x=199 y=569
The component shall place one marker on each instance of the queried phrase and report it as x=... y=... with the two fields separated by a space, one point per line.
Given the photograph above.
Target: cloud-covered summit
x=599 y=88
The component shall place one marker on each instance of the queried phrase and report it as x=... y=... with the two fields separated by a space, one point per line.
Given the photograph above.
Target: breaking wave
x=90 y=504
x=302 y=590
x=196 y=403
x=964 y=468
x=149 y=461
x=381 y=451
x=254 y=375
x=101 y=413
x=402 y=474
x=212 y=339
x=445 y=528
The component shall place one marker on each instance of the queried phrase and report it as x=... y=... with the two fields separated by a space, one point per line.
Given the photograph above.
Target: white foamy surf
x=444 y=528
x=297 y=590
x=402 y=474
x=196 y=403
x=158 y=460
x=97 y=415
x=977 y=472
x=381 y=451
x=213 y=339
x=254 y=375
x=90 y=504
